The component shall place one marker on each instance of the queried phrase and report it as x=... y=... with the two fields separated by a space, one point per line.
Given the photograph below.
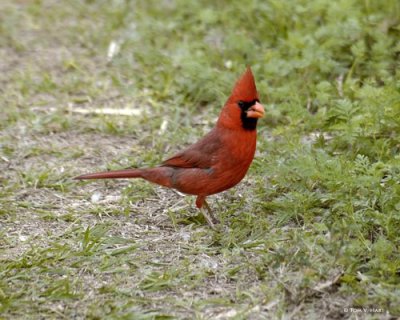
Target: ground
x=311 y=232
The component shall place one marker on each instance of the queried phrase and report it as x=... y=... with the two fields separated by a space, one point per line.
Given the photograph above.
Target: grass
x=311 y=231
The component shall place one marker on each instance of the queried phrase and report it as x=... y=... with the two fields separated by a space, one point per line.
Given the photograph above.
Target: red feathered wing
x=200 y=155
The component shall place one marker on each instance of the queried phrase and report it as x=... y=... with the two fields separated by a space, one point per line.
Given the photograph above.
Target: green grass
x=313 y=228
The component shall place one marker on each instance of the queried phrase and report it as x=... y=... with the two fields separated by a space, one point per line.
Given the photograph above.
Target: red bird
x=216 y=162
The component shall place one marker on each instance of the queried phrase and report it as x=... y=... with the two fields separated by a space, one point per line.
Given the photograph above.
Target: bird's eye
x=241 y=104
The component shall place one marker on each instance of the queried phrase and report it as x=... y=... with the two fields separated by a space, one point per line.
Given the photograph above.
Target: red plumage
x=216 y=162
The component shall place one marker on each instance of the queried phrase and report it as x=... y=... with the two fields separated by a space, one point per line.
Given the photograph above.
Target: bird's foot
x=211 y=219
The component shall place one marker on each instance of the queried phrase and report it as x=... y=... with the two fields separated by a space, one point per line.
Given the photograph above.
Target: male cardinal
x=216 y=162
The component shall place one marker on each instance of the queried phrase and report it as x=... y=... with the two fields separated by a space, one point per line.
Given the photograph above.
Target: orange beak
x=256 y=111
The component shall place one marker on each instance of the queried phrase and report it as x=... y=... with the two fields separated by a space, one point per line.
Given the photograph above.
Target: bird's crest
x=245 y=88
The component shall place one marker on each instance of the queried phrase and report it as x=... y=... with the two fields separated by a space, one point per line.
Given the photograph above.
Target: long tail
x=117 y=174
x=163 y=176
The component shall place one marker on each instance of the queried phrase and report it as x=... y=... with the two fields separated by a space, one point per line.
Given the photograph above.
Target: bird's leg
x=213 y=218
x=208 y=218
x=200 y=203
